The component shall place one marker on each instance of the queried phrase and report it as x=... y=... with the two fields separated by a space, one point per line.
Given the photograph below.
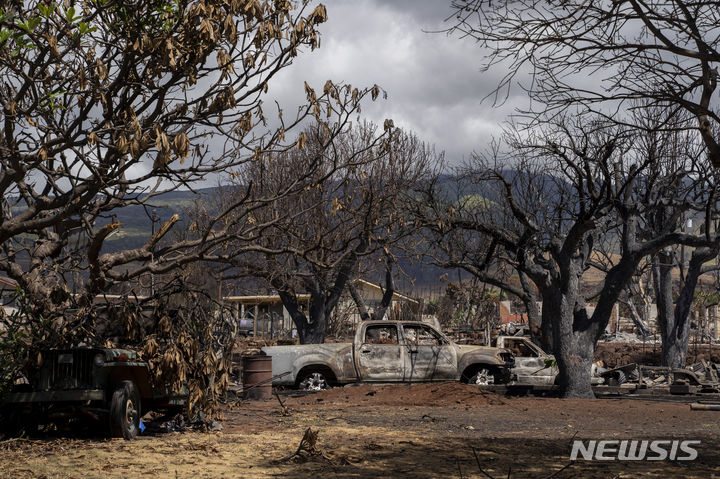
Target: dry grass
x=529 y=436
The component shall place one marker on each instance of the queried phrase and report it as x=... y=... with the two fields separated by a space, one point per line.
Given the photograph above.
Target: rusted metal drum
x=257 y=377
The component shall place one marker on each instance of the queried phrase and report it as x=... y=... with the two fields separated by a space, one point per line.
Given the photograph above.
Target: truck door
x=380 y=356
x=428 y=355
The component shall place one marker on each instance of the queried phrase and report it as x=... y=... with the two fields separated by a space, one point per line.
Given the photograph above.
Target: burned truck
x=387 y=352
x=112 y=387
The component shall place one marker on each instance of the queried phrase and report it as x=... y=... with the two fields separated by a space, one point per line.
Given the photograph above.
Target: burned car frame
x=112 y=386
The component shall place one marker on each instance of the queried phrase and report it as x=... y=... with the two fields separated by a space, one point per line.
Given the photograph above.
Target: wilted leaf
x=181 y=145
x=319 y=15
x=101 y=70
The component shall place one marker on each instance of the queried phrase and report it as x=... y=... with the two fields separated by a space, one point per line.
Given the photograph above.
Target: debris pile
x=614 y=354
x=178 y=423
x=703 y=376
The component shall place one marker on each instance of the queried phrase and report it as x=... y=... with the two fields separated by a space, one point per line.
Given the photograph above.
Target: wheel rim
x=483 y=378
x=130 y=413
x=314 y=382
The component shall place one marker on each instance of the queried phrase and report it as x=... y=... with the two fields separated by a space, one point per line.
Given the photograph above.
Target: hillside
x=136 y=221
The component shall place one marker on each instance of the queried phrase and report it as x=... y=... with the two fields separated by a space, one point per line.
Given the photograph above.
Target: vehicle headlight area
x=99 y=360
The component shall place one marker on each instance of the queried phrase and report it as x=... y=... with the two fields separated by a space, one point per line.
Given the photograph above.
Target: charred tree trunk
x=289 y=300
x=576 y=333
x=310 y=330
x=323 y=299
x=574 y=341
x=315 y=331
x=385 y=302
x=359 y=302
x=388 y=294
x=575 y=349
x=546 y=327
x=530 y=300
x=674 y=321
x=674 y=336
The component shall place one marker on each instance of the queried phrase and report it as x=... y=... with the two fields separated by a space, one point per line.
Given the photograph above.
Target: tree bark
x=323 y=300
x=546 y=327
x=537 y=332
x=574 y=340
x=310 y=331
x=388 y=294
x=674 y=321
x=359 y=302
x=315 y=330
x=674 y=339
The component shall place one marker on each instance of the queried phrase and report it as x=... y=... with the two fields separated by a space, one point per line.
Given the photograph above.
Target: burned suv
x=112 y=386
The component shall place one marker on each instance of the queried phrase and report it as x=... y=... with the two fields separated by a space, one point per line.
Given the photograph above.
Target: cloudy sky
x=433 y=81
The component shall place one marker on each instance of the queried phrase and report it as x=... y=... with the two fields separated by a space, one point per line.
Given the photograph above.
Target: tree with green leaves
x=107 y=104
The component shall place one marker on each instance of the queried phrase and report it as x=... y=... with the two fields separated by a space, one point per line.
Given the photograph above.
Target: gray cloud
x=433 y=80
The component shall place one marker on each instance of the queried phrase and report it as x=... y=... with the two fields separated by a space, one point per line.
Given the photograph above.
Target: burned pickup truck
x=388 y=351
x=111 y=386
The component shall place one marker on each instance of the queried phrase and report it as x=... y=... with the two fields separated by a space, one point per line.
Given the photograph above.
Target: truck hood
x=501 y=354
x=466 y=348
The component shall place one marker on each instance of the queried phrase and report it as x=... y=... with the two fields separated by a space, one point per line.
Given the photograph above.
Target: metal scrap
x=701 y=376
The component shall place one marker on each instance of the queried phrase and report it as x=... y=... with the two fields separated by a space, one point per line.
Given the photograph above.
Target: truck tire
x=125 y=411
x=314 y=380
x=18 y=425
x=483 y=376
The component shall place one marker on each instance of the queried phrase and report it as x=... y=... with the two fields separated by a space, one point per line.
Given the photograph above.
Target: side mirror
x=413 y=348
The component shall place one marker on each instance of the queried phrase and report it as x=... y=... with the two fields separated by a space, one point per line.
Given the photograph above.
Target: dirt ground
x=419 y=431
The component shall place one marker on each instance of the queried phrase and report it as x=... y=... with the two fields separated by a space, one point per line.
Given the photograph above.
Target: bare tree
x=569 y=187
x=677 y=186
x=674 y=311
x=345 y=210
x=600 y=55
x=468 y=192
x=674 y=316
x=476 y=254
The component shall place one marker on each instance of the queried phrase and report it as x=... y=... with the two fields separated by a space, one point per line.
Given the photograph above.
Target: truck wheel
x=314 y=381
x=18 y=425
x=125 y=411
x=482 y=377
